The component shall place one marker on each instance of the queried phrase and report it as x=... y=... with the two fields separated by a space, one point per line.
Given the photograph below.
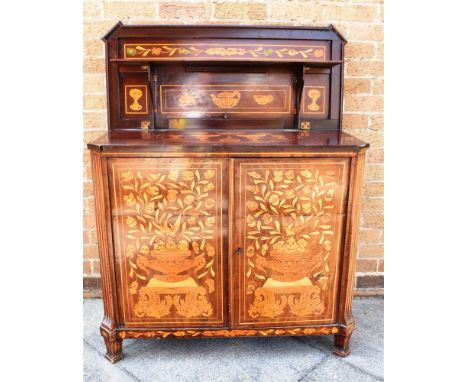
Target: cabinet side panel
x=106 y=259
x=351 y=240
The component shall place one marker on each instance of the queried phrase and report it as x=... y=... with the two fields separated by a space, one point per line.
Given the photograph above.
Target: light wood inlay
x=289 y=223
x=168 y=217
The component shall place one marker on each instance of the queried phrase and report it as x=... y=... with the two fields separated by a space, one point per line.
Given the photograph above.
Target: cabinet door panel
x=168 y=217
x=287 y=230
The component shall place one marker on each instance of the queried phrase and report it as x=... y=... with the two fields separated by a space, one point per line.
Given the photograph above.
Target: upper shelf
x=320 y=46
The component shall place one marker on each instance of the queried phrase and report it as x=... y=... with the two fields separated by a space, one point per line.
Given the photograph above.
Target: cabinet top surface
x=232 y=140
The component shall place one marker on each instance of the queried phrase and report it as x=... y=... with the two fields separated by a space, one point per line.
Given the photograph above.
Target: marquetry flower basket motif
x=170 y=231
x=290 y=232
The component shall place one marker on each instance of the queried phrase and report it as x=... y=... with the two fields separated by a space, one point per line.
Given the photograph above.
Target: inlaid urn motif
x=314 y=95
x=135 y=94
x=263 y=99
x=172 y=265
x=226 y=99
x=186 y=99
x=290 y=261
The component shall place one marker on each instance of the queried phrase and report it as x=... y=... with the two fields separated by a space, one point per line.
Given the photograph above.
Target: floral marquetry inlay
x=169 y=216
x=227 y=333
x=293 y=217
x=226 y=98
x=222 y=51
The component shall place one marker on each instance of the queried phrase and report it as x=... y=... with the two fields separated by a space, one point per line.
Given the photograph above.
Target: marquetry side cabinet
x=227 y=196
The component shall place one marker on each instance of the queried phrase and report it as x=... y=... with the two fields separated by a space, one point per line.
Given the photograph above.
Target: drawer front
x=168 y=217
x=288 y=222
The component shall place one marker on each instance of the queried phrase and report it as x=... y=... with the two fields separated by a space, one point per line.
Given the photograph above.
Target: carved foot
x=341 y=345
x=114 y=349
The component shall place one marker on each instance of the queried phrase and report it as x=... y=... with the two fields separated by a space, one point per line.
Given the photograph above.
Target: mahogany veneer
x=227 y=197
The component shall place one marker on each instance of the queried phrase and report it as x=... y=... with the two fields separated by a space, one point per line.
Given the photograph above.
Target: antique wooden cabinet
x=227 y=196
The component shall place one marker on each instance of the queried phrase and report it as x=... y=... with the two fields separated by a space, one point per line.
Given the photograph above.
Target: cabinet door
x=288 y=222
x=168 y=217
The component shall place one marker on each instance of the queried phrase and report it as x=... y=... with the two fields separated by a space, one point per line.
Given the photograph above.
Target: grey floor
x=240 y=359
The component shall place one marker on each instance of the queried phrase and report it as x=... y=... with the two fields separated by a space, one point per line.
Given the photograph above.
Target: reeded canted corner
x=227 y=195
